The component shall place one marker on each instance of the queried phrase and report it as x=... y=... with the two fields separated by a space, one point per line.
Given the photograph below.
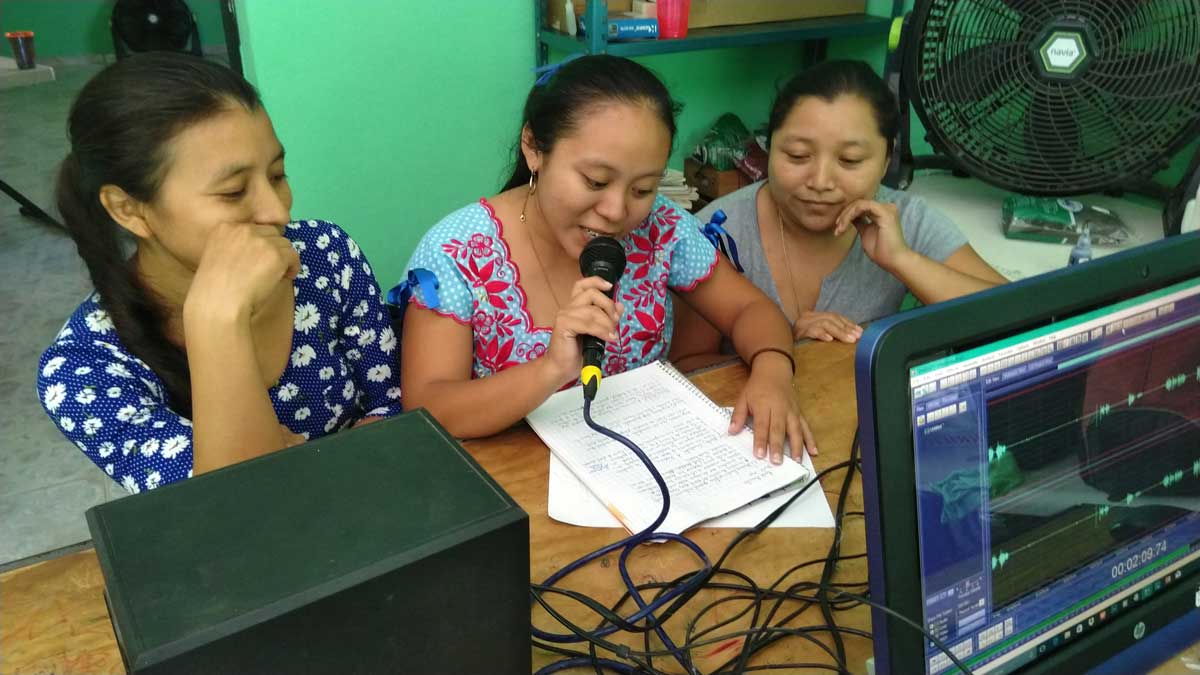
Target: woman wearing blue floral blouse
x=230 y=332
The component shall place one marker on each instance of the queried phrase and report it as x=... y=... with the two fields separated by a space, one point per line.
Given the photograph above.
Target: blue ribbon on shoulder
x=400 y=294
x=722 y=240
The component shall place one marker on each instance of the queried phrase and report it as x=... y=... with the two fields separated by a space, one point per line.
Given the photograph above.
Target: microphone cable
x=650 y=617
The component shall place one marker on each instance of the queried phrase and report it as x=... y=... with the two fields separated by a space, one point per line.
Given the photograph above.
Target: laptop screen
x=1058 y=478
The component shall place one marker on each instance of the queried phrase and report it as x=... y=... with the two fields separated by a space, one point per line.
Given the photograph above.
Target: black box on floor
x=382 y=549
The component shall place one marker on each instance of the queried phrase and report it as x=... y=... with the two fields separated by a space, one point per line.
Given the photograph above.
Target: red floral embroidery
x=535 y=351
x=652 y=327
x=483 y=322
x=481 y=245
x=648 y=250
x=481 y=277
x=454 y=248
x=505 y=324
x=666 y=215
x=644 y=294
x=494 y=354
x=616 y=358
x=660 y=286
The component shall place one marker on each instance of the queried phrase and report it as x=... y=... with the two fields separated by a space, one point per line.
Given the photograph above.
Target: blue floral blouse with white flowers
x=343 y=367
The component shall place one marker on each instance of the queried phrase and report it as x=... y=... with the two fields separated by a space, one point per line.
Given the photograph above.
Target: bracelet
x=787 y=354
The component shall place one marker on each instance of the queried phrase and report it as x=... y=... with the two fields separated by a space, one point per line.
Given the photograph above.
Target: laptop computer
x=1031 y=458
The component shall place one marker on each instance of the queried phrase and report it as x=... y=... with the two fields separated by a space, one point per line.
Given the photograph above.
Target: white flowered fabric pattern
x=480 y=285
x=114 y=408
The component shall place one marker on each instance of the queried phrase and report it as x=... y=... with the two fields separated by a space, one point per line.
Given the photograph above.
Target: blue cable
x=645 y=610
x=581 y=661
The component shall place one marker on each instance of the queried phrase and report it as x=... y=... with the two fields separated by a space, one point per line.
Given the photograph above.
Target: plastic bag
x=723 y=144
x=1061 y=221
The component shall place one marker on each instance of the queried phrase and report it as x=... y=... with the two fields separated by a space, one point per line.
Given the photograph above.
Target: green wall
x=393 y=112
x=72 y=28
x=396 y=112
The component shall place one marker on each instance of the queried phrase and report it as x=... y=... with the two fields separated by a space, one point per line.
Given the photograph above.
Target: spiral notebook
x=708 y=472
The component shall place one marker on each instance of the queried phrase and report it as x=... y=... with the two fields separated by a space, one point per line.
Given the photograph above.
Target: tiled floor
x=45 y=482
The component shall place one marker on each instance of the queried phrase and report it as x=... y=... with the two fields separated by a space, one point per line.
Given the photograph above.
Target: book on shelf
x=708 y=471
x=674 y=186
x=626 y=28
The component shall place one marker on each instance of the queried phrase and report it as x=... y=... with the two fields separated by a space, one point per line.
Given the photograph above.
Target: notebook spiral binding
x=682 y=379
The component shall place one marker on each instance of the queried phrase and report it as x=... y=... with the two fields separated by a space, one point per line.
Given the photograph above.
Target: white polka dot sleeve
x=693 y=257
x=456 y=297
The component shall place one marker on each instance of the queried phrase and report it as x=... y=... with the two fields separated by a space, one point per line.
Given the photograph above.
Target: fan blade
x=1052 y=131
x=1010 y=10
x=1018 y=7
x=1149 y=66
x=969 y=77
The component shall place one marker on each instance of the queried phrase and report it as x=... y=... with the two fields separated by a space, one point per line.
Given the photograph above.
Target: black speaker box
x=381 y=549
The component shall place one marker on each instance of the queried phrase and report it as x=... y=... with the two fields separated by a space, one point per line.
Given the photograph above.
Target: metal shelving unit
x=804 y=30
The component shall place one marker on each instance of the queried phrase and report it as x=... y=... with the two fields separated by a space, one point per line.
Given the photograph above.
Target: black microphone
x=603 y=257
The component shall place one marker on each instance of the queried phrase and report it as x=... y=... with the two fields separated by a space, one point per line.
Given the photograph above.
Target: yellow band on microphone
x=588 y=373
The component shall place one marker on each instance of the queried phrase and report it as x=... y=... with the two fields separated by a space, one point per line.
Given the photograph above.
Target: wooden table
x=53 y=619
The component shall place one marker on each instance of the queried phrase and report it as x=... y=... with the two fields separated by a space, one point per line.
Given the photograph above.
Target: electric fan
x=153 y=25
x=1052 y=97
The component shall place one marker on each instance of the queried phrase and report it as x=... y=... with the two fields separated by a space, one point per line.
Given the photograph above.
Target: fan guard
x=1059 y=97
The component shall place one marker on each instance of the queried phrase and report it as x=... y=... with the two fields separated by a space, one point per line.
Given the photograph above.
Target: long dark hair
x=830 y=79
x=119 y=129
x=553 y=109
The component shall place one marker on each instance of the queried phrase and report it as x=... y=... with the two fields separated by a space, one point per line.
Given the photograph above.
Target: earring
x=532 y=189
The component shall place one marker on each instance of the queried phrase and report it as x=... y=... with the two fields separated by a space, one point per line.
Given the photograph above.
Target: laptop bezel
x=885 y=353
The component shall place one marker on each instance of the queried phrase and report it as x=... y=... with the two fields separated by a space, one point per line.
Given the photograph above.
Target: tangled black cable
x=762 y=604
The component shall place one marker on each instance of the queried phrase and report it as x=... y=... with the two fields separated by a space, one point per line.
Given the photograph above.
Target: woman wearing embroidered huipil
x=594 y=142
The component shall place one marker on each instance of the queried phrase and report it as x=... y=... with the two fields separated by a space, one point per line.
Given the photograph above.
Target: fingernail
x=612 y=335
x=813 y=451
x=776 y=458
x=760 y=452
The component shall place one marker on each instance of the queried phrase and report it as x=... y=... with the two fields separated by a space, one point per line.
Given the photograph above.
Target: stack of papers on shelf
x=674 y=187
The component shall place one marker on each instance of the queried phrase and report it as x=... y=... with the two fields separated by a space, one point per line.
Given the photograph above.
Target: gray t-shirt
x=858 y=289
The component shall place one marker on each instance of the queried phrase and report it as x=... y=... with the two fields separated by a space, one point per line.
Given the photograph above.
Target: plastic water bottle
x=1082 y=251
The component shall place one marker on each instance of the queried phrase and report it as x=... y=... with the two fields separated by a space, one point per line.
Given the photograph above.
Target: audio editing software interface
x=1058 y=478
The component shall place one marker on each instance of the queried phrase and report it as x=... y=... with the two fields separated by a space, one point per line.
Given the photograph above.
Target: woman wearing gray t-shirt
x=821 y=236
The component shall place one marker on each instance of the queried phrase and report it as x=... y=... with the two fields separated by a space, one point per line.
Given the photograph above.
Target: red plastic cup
x=21 y=42
x=673 y=18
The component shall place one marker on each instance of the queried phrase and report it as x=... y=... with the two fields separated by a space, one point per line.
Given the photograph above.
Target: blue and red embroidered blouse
x=480 y=285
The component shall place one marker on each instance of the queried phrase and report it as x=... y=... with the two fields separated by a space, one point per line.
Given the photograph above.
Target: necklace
x=542 y=268
x=787 y=263
x=532 y=245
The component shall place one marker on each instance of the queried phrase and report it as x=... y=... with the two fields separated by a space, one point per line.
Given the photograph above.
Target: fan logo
x=1063 y=51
